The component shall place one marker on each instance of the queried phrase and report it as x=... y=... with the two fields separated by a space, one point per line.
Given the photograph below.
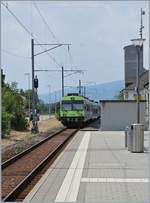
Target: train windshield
x=72 y=105
x=77 y=106
x=67 y=106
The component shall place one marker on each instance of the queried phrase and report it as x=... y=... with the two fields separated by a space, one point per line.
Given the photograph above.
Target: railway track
x=21 y=173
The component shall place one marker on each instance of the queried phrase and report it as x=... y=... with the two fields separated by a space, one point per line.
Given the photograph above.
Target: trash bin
x=137 y=137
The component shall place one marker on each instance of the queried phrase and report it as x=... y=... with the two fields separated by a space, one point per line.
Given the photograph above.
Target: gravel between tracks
x=12 y=150
x=20 y=141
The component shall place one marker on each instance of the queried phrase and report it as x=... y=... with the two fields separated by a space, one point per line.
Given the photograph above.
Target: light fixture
x=138 y=42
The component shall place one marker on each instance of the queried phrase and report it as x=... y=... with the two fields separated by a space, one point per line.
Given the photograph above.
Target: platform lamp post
x=138 y=43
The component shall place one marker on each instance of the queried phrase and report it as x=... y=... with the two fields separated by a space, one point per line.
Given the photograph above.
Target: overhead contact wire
x=29 y=32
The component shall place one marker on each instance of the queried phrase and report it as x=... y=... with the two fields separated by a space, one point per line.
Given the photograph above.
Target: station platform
x=95 y=167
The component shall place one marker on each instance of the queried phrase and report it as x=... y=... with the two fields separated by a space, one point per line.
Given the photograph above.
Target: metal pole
x=137 y=84
x=55 y=102
x=62 y=81
x=79 y=87
x=49 y=100
x=141 y=35
x=29 y=90
x=141 y=28
x=84 y=91
x=33 y=92
x=148 y=96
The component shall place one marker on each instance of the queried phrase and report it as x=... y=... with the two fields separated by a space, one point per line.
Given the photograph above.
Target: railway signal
x=2 y=77
x=36 y=82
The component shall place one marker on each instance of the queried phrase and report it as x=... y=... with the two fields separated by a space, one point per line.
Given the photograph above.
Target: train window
x=66 y=106
x=77 y=106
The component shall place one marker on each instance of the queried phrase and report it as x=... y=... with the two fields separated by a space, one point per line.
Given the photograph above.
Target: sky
x=97 y=31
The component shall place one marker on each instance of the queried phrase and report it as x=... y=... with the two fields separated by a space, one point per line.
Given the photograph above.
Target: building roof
x=121 y=101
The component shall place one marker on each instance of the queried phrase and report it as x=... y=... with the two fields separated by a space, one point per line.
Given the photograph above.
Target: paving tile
x=106 y=157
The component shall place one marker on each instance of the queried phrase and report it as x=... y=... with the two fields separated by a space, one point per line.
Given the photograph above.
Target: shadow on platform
x=94 y=126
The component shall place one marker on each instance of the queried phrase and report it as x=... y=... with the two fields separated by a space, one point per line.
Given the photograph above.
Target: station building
x=130 y=68
x=124 y=110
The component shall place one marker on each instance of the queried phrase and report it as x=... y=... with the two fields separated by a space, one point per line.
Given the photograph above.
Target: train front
x=72 y=111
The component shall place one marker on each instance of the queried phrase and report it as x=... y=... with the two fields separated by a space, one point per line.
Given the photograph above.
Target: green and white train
x=76 y=110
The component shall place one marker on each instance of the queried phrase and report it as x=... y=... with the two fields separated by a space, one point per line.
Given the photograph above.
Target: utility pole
x=62 y=81
x=79 y=87
x=62 y=75
x=55 y=103
x=84 y=87
x=49 y=100
x=34 y=121
x=84 y=91
x=28 y=75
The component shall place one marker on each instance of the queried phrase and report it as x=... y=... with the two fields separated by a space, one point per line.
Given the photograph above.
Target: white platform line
x=115 y=180
x=69 y=189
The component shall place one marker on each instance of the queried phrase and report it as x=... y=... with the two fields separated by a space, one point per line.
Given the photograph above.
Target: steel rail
x=28 y=150
x=12 y=196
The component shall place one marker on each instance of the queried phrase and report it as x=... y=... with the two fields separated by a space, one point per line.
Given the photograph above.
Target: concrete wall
x=117 y=115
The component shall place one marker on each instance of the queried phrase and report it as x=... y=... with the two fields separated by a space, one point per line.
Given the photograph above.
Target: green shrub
x=6 y=117
x=19 y=122
x=13 y=105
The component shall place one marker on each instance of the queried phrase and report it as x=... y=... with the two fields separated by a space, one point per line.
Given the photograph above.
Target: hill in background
x=96 y=92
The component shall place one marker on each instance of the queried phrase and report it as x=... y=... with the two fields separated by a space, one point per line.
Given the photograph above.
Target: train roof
x=78 y=97
x=72 y=94
x=72 y=97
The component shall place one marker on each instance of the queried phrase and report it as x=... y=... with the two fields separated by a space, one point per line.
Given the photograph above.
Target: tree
x=13 y=108
x=27 y=94
x=40 y=106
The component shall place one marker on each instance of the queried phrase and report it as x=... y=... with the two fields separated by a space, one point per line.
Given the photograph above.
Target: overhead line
x=70 y=57
x=47 y=25
x=29 y=32
x=16 y=55
x=17 y=19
